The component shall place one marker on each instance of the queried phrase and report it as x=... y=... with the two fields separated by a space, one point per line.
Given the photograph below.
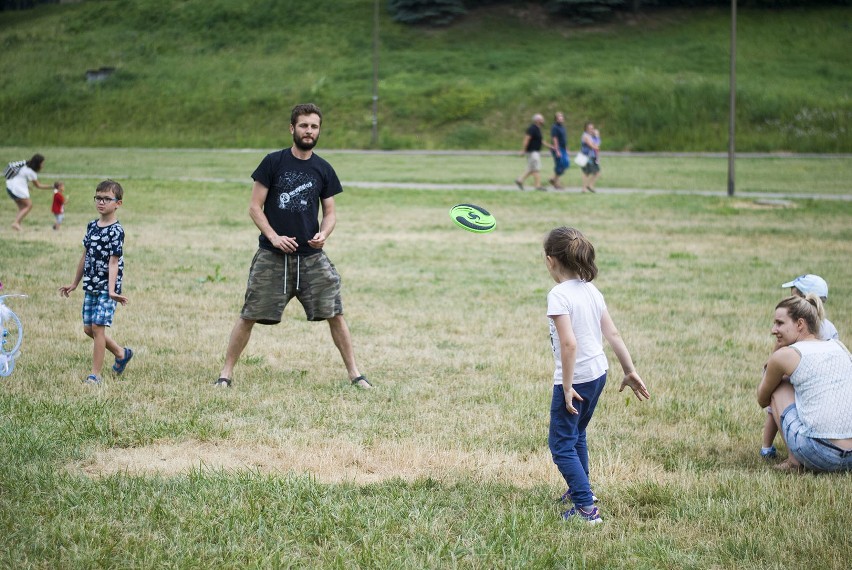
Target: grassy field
x=766 y=174
x=445 y=463
x=215 y=73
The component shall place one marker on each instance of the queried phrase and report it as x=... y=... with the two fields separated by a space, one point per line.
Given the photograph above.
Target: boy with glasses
x=101 y=269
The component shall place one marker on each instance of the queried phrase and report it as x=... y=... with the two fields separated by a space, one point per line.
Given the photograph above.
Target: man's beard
x=302 y=145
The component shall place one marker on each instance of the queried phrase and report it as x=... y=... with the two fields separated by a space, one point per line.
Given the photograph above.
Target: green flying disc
x=473 y=218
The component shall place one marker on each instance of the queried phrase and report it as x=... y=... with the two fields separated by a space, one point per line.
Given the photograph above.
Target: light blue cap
x=809 y=283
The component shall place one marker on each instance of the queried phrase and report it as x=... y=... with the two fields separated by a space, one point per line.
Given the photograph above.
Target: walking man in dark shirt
x=532 y=150
x=559 y=149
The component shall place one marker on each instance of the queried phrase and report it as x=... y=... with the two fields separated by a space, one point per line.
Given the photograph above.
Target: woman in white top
x=808 y=382
x=18 y=188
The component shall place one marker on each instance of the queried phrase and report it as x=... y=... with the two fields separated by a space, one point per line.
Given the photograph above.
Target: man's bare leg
x=240 y=335
x=343 y=342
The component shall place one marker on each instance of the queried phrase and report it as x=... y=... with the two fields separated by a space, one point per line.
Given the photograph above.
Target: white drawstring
x=298 y=272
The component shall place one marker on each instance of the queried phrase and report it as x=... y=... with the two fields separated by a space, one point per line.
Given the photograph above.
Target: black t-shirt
x=535 y=138
x=295 y=190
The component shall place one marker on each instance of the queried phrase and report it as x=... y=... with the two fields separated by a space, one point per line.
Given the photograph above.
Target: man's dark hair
x=304 y=109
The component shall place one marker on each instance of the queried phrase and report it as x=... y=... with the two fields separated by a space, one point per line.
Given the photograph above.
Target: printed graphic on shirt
x=297 y=189
x=101 y=244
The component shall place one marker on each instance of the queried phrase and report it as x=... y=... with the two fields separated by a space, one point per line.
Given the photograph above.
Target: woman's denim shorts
x=814 y=453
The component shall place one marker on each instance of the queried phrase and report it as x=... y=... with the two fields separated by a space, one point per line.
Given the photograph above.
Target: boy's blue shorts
x=98 y=309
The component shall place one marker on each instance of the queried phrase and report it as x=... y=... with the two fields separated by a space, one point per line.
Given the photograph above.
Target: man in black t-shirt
x=532 y=150
x=290 y=187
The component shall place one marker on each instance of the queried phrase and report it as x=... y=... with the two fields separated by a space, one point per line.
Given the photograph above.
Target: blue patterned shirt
x=101 y=244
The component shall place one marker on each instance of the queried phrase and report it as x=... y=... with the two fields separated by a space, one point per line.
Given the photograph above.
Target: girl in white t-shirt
x=18 y=188
x=578 y=321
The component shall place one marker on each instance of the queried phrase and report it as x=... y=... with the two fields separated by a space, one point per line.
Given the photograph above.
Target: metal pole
x=374 y=141
x=733 y=103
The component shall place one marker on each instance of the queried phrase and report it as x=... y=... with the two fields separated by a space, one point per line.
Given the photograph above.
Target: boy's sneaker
x=592 y=516
x=566 y=497
x=93 y=380
x=768 y=452
x=121 y=363
x=222 y=383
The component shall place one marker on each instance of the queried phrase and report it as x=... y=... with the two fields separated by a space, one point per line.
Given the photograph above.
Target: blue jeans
x=815 y=454
x=567 y=437
x=560 y=163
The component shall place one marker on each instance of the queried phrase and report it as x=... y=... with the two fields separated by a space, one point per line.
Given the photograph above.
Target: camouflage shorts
x=275 y=278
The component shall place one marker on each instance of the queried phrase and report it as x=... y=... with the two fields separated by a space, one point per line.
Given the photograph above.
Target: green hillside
x=218 y=73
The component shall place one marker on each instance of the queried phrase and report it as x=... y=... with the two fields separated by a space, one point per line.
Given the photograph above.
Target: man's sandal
x=361 y=382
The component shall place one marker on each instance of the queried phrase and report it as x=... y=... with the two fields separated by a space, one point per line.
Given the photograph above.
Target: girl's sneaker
x=592 y=516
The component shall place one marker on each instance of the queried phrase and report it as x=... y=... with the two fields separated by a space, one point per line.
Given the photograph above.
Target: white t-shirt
x=585 y=305
x=19 y=184
x=828 y=331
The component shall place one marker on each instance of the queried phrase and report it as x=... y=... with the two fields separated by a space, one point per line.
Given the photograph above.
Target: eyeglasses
x=105 y=199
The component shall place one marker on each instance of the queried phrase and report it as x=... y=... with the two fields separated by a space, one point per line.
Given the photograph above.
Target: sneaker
x=519 y=184
x=769 y=453
x=222 y=383
x=591 y=517
x=92 y=379
x=121 y=363
x=566 y=497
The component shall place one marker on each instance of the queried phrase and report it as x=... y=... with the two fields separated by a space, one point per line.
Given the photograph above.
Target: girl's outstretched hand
x=635 y=382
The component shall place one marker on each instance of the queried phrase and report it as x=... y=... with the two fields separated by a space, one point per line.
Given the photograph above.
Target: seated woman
x=808 y=382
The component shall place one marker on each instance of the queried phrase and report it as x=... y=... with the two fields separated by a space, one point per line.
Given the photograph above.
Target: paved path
x=492 y=187
x=513 y=188
x=503 y=187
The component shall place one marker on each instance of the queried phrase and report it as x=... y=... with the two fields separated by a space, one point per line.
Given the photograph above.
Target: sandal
x=121 y=363
x=362 y=382
x=92 y=379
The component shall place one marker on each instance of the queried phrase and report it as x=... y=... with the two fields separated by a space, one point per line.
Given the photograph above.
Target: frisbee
x=473 y=218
